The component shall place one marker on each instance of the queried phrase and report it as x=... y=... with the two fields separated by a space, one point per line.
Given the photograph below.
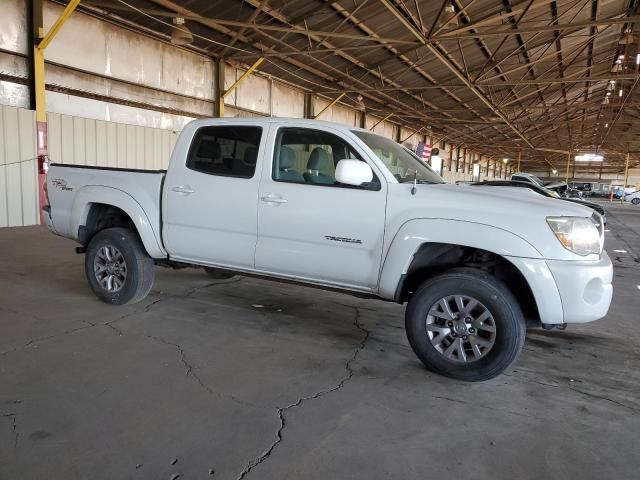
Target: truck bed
x=72 y=190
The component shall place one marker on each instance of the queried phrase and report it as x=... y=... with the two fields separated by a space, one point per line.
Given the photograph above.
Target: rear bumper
x=46 y=214
x=585 y=288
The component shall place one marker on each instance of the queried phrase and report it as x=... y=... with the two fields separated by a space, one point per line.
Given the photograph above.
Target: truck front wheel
x=465 y=324
x=117 y=266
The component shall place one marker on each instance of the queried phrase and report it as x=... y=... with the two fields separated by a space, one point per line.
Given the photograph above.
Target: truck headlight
x=577 y=234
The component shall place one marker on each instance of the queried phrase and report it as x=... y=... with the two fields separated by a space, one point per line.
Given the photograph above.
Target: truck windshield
x=401 y=162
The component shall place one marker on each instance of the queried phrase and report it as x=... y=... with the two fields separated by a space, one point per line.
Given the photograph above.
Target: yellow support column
x=626 y=177
x=39 y=88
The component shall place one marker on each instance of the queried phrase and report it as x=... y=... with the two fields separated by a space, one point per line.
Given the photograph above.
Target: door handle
x=186 y=189
x=271 y=198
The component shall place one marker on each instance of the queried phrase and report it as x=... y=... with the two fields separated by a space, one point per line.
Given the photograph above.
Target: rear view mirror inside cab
x=353 y=172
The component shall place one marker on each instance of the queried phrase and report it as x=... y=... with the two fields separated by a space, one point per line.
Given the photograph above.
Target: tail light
x=43 y=168
x=43 y=164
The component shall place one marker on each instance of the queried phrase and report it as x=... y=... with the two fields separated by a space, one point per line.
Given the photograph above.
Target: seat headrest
x=250 y=155
x=208 y=149
x=287 y=158
x=319 y=159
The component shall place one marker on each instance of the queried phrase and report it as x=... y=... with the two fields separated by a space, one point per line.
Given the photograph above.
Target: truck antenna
x=414 y=189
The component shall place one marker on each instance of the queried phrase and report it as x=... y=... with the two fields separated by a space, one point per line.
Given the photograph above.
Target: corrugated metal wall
x=18 y=179
x=76 y=140
x=84 y=141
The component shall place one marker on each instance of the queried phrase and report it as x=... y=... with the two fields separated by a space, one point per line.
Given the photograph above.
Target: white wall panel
x=106 y=49
x=287 y=101
x=385 y=128
x=253 y=93
x=18 y=180
x=75 y=140
x=13 y=25
x=338 y=113
x=99 y=110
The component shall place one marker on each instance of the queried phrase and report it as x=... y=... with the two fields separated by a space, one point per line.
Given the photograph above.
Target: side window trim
x=277 y=145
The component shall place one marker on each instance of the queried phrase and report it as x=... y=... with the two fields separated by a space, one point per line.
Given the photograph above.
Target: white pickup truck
x=338 y=207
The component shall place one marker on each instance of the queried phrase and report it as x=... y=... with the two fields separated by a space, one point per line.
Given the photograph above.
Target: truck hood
x=508 y=199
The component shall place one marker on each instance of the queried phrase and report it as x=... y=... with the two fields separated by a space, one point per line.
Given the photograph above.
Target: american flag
x=424 y=151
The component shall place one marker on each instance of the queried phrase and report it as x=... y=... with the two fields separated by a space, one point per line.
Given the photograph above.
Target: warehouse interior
x=242 y=377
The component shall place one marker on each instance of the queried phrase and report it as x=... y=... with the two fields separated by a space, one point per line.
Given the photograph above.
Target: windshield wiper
x=410 y=180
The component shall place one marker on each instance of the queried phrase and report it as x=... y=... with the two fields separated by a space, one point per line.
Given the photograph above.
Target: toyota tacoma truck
x=342 y=208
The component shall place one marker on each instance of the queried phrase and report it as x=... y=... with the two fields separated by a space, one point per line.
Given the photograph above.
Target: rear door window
x=230 y=151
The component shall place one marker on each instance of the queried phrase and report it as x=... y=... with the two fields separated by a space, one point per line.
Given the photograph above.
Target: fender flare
x=117 y=198
x=414 y=233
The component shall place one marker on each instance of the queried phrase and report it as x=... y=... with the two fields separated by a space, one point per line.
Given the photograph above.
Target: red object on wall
x=43 y=164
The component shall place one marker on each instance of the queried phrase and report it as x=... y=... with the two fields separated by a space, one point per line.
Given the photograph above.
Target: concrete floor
x=198 y=380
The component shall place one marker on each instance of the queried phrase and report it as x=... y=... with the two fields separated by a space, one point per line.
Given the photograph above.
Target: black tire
x=139 y=266
x=218 y=274
x=635 y=201
x=494 y=296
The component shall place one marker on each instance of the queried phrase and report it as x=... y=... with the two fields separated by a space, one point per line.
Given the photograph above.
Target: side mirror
x=353 y=172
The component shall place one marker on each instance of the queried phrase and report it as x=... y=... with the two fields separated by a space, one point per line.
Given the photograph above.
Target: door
x=309 y=225
x=210 y=200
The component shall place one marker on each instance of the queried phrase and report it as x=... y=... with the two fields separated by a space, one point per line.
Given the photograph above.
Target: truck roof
x=267 y=120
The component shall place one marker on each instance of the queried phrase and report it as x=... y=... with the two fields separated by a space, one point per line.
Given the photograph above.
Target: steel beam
x=574 y=27
x=380 y=121
x=331 y=104
x=249 y=71
x=55 y=28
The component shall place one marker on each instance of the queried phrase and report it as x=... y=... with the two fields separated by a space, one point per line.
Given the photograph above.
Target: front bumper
x=585 y=288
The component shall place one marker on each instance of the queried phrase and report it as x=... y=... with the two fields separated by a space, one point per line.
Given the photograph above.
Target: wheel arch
x=432 y=259
x=424 y=248
x=97 y=208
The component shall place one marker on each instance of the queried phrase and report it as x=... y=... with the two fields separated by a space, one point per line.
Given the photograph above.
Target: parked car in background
x=546 y=192
x=634 y=197
x=619 y=191
x=573 y=193
x=586 y=188
x=337 y=207
x=560 y=188
x=527 y=178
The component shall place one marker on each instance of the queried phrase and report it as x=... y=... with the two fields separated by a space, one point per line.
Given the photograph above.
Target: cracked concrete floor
x=313 y=385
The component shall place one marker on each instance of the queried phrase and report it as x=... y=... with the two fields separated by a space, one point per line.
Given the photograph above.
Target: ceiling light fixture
x=181 y=34
x=447 y=20
x=589 y=157
x=626 y=38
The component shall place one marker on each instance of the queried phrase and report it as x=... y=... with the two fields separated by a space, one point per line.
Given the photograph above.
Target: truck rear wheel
x=118 y=268
x=465 y=324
